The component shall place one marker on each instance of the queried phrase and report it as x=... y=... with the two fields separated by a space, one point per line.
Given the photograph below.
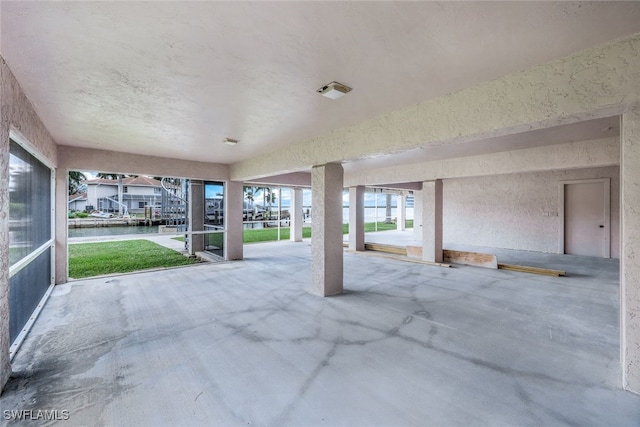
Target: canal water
x=111 y=231
x=371 y=215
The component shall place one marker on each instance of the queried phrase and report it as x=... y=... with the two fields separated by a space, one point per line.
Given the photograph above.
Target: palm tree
x=249 y=194
x=271 y=198
x=75 y=182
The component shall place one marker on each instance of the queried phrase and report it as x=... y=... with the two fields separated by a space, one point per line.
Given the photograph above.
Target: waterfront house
x=137 y=193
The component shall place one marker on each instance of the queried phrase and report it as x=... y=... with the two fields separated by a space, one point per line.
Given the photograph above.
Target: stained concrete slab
x=245 y=343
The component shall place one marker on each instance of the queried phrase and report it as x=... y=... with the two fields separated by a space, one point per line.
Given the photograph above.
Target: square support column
x=61 y=226
x=233 y=211
x=432 y=220
x=356 y=218
x=417 y=215
x=630 y=250
x=402 y=212
x=196 y=216
x=326 y=229
x=295 y=228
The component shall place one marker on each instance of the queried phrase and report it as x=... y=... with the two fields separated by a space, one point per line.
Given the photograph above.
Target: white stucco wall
x=76 y=158
x=517 y=211
x=139 y=190
x=19 y=117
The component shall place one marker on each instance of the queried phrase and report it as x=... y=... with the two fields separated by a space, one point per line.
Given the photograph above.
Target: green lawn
x=93 y=259
x=271 y=234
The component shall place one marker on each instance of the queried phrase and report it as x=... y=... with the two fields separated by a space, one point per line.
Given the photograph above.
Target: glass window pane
x=214 y=217
x=29 y=203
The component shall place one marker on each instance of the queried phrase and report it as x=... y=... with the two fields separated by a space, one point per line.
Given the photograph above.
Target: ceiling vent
x=334 y=90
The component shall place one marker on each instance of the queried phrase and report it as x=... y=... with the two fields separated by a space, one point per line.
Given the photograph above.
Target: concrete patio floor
x=244 y=343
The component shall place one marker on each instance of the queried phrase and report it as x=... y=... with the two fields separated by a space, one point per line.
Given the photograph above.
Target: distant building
x=137 y=193
x=77 y=202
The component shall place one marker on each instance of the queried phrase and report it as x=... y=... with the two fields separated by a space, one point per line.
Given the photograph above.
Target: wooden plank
x=532 y=270
x=470 y=258
x=414 y=252
x=392 y=249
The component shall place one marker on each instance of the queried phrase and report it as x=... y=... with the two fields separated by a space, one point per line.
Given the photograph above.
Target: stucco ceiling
x=174 y=78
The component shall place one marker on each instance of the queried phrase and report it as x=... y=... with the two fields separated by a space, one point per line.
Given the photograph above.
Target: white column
x=61 y=224
x=356 y=218
x=326 y=229
x=432 y=220
x=402 y=212
x=630 y=250
x=295 y=230
x=233 y=211
x=417 y=215
x=196 y=216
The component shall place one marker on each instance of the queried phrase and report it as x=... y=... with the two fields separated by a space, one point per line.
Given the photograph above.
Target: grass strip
x=94 y=259
x=271 y=234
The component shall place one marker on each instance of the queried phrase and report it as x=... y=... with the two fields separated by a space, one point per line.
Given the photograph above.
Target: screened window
x=29 y=203
x=30 y=236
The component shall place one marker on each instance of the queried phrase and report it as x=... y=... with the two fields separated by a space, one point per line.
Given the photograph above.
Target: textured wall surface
x=74 y=158
x=630 y=257
x=356 y=218
x=432 y=219
x=598 y=82
x=295 y=229
x=17 y=115
x=326 y=230
x=583 y=154
x=233 y=214
x=517 y=211
x=61 y=221
x=5 y=367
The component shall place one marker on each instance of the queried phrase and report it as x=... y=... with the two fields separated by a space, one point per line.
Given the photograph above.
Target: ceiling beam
x=598 y=82
x=573 y=155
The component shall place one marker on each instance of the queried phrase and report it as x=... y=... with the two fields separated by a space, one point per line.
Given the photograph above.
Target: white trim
x=27 y=327
x=607 y=212
x=24 y=143
x=15 y=268
x=53 y=227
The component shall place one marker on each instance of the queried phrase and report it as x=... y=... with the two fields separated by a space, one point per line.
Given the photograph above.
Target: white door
x=584 y=219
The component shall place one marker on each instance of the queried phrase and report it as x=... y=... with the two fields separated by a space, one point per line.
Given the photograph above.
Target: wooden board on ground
x=390 y=249
x=470 y=258
x=414 y=252
x=533 y=270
